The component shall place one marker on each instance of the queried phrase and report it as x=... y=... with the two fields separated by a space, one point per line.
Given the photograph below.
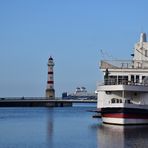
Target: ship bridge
x=134 y=71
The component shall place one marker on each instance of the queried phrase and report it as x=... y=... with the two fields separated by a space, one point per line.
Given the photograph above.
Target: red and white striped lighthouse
x=50 y=92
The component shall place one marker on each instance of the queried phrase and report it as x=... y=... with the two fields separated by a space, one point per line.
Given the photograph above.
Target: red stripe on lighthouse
x=50 y=82
x=50 y=72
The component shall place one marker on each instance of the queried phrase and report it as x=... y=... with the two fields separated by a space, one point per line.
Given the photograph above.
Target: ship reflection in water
x=114 y=136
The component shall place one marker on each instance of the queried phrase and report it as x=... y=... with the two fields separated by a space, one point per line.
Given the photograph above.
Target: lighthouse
x=50 y=92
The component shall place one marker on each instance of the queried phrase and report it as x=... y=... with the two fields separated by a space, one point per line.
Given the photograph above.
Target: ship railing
x=112 y=81
x=123 y=64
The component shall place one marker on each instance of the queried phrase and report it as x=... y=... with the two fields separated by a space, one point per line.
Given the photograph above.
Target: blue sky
x=73 y=32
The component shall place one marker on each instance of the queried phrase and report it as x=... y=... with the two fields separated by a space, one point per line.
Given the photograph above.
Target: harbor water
x=65 y=127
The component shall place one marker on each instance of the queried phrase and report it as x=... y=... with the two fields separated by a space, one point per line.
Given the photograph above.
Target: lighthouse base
x=50 y=93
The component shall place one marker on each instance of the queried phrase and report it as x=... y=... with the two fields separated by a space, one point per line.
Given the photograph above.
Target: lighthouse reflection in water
x=70 y=127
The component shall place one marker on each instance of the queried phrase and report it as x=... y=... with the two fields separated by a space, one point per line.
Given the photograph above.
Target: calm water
x=69 y=127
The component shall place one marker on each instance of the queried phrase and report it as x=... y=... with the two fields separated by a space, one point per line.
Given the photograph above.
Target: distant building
x=80 y=93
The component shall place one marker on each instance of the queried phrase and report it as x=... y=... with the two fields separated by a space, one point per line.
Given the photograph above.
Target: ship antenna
x=106 y=54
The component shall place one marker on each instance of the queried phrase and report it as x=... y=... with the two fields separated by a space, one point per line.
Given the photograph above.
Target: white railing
x=113 y=81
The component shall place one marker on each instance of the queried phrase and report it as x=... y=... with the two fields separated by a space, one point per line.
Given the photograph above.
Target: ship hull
x=124 y=116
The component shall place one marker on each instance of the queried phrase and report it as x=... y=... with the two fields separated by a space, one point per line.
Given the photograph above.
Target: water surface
x=67 y=127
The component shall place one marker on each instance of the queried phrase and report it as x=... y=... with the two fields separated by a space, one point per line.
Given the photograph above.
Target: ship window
x=137 y=78
x=132 y=78
x=122 y=79
x=113 y=100
x=108 y=92
x=113 y=80
x=143 y=77
x=146 y=53
x=119 y=79
x=117 y=101
x=125 y=80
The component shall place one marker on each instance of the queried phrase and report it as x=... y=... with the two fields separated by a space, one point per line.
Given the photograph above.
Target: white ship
x=80 y=93
x=123 y=95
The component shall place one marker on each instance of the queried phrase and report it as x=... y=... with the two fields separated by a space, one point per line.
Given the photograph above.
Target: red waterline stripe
x=49 y=72
x=50 y=82
x=121 y=115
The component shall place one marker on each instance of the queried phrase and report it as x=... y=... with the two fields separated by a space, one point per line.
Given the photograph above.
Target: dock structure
x=40 y=102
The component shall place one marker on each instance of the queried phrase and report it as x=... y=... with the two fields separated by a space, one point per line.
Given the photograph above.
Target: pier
x=40 y=102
